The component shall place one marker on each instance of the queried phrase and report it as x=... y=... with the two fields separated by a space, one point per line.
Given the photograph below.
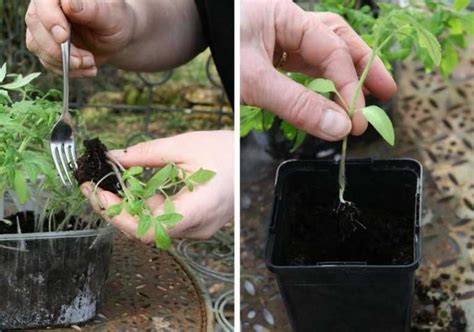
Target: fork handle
x=65 y=49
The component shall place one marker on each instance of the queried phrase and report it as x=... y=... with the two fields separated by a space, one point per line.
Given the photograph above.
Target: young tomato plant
x=167 y=182
x=397 y=26
x=450 y=24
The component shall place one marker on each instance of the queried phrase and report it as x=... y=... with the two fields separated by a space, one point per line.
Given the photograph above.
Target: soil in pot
x=319 y=233
x=94 y=166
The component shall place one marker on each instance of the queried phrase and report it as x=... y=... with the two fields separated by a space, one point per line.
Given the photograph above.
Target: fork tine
x=67 y=152
x=54 y=152
x=73 y=154
x=62 y=152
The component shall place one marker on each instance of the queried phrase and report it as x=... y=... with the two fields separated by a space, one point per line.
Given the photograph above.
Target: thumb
x=294 y=103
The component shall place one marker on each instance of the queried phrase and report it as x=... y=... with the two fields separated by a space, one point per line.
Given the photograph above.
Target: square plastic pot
x=347 y=295
x=52 y=279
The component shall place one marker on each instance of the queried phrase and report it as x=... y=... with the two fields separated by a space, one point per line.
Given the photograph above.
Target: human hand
x=318 y=45
x=99 y=30
x=206 y=209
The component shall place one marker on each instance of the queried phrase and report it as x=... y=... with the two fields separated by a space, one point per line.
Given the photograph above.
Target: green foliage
x=293 y=134
x=167 y=182
x=449 y=24
x=381 y=122
x=26 y=166
x=321 y=86
x=24 y=131
x=254 y=118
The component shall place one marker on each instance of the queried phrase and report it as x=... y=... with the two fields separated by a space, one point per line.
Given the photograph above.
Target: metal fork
x=62 y=144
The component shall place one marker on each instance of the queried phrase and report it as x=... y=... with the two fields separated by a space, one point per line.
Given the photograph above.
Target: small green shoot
x=166 y=182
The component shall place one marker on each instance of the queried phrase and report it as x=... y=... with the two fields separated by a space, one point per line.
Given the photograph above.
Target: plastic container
x=347 y=295
x=52 y=279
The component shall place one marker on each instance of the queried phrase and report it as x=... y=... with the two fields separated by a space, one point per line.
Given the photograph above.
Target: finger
x=50 y=67
x=82 y=73
x=320 y=47
x=96 y=15
x=202 y=213
x=378 y=81
x=52 y=19
x=101 y=200
x=293 y=102
x=49 y=54
x=41 y=42
x=159 y=152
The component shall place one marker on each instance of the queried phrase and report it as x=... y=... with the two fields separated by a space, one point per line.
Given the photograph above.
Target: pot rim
x=58 y=235
x=344 y=265
x=335 y=163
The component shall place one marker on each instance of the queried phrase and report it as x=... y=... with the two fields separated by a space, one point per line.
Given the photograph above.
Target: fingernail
x=86 y=191
x=116 y=153
x=76 y=5
x=59 y=34
x=75 y=62
x=88 y=61
x=335 y=124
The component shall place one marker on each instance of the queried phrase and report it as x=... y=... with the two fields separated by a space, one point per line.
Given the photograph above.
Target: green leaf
x=31 y=170
x=144 y=224
x=157 y=180
x=20 y=81
x=4 y=95
x=321 y=85
x=170 y=219
x=460 y=4
x=132 y=171
x=291 y=133
x=202 y=176
x=426 y=40
x=114 y=210
x=468 y=23
x=21 y=188
x=169 y=206
x=3 y=72
x=300 y=137
x=457 y=40
x=254 y=118
x=300 y=78
x=189 y=185
x=381 y=122
x=450 y=60
x=134 y=207
x=162 y=239
x=135 y=186
x=431 y=44
x=456 y=26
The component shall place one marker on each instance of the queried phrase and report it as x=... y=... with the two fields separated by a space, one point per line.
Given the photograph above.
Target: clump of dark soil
x=93 y=166
x=27 y=223
x=434 y=308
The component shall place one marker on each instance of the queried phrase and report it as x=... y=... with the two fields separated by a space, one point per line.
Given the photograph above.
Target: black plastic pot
x=353 y=293
x=52 y=279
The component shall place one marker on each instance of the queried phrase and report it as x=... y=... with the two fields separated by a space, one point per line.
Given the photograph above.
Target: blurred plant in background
x=124 y=107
